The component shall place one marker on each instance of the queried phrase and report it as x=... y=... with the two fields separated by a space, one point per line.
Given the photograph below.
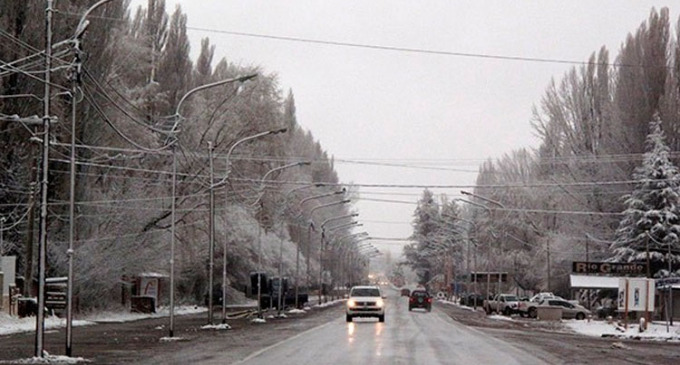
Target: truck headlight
x=380 y=303
x=351 y=303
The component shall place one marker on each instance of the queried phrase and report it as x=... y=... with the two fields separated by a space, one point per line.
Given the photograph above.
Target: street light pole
x=311 y=216
x=322 y=247
x=223 y=181
x=338 y=263
x=178 y=117
x=2 y=242
x=309 y=239
x=297 y=246
x=211 y=235
x=260 y=194
x=488 y=253
x=280 y=292
x=42 y=243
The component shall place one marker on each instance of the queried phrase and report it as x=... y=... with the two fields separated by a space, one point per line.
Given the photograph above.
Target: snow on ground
x=11 y=324
x=114 y=316
x=51 y=359
x=656 y=330
x=217 y=327
x=328 y=303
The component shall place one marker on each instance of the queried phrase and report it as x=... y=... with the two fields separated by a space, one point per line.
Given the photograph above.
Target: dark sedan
x=420 y=299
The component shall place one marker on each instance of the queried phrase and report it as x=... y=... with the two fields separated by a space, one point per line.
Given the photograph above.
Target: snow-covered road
x=415 y=337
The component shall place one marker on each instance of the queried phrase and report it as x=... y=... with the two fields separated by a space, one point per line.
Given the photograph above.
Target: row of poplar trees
x=135 y=70
x=601 y=186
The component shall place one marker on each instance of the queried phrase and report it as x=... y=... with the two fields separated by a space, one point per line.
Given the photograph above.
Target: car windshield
x=510 y=298
x=419 y=294
x=365 y=292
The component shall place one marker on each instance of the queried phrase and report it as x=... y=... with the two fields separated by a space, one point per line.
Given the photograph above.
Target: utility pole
x=547 y=251
x=42 y=243
x=75 y=82
x=224 y=252
x=649 y=270
x=2 y=228
x=211 y=234
x=588 y=260
x=308 y=254
x=321 y=249
x=670 y=287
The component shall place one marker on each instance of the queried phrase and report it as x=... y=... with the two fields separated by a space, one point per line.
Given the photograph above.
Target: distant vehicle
x=365 y=301
x=506 y=304
x=528 y=308
x=569 y=309
x=420 y=299
x=541 y=296
x=405 y=292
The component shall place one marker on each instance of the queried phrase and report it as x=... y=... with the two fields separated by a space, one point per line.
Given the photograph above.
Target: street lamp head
x=277 y=131
x=247 y=77
x=304 y=163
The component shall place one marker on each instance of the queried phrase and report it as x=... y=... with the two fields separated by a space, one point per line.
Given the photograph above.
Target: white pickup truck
x=502 y=303
x=528 y=308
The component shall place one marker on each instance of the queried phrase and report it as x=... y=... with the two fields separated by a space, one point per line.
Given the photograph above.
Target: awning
x=593 y=282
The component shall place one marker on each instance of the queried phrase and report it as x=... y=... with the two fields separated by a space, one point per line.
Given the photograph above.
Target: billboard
x=618 y=268
x=636 y=294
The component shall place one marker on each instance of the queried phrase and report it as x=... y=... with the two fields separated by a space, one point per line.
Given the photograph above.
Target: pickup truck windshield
x=365 y=292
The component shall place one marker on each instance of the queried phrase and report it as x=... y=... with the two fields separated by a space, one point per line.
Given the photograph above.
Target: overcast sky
x=435 y=115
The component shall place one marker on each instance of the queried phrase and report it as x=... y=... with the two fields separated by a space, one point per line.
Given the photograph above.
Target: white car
x=365 y=301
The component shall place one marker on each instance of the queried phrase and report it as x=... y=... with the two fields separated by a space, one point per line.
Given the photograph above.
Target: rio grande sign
x=583 y=267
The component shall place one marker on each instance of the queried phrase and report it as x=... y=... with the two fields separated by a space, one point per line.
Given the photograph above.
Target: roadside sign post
x=636 y=294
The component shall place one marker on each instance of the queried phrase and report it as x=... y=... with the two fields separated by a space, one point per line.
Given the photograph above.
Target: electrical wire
x=418 y=50
x=92 y=103
x=105 y=95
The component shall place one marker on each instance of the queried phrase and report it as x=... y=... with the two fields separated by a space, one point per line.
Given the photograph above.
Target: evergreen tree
x=650 y=226
x=425 y=227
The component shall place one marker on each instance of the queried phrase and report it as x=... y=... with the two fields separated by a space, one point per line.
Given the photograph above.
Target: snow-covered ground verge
x=11 y=324
x=655 y=330
x=600 y=328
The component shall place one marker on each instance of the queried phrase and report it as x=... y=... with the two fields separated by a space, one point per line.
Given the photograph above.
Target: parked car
x=420 y=299
x=528 y=307
x=569 y=309
x=365 y=301
x=405 y=292
x=506 y=304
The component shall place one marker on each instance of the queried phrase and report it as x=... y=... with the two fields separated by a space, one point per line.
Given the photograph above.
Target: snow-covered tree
x=425 y=227
x=650 y=225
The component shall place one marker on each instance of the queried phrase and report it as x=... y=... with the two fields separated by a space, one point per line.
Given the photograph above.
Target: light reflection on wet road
x=416 y=337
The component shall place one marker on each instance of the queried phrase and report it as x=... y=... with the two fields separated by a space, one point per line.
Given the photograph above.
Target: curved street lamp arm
x=242 y=140
x=264 y=178
x=344 y=201
x=207 y=86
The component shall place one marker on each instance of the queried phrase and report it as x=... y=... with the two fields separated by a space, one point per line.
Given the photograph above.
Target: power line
x=399 y=48
x=414 y=50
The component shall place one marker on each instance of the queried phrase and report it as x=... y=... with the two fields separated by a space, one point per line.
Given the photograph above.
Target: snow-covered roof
x=152 y=275
x=593 y=282
x=598 y=282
